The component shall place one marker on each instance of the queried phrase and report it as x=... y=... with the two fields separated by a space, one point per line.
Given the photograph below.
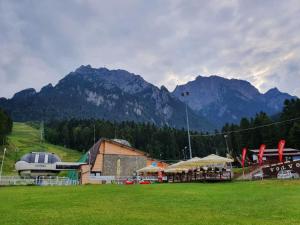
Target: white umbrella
x=215 y=159
x=175 y=165
x=176 y=170
x=149 y=169
x=182 y=165
x=208 y=160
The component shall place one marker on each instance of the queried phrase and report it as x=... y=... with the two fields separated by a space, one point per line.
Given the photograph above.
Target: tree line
x=172 y=144
x=160 y=142
x=5 y=126
x=268 y=130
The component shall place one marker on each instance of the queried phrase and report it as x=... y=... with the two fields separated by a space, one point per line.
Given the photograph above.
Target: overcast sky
x=166 y=42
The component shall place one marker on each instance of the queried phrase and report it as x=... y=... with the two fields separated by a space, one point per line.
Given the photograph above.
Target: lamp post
x=185 y=94
x=16 y=156
x=184 y=152
x=225 y=137
x=2 y=164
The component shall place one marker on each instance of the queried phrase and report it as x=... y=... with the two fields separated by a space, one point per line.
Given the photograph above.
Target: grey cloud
x=167 y=42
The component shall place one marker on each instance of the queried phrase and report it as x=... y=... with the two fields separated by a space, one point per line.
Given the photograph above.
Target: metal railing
x=41 y=181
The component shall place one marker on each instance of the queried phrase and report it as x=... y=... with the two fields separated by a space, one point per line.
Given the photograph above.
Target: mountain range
x=118 y=95
x=228 y=100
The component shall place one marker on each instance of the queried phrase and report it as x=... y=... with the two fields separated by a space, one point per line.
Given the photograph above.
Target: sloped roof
x=94 y=150
x=275 y=150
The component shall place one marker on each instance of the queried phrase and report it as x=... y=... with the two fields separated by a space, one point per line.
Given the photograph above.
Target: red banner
x=244 y=156
x=261 y=154
x=281 y=145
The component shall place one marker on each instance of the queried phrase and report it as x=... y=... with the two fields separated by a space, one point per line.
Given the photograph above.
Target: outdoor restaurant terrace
x=212 y=167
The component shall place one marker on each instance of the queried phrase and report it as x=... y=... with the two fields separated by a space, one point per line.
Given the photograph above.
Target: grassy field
x=260 y=202
x=26 y=139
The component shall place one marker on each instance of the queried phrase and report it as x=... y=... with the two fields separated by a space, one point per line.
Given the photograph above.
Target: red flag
x=261 y=154
x=244 y=156
x=281 y=145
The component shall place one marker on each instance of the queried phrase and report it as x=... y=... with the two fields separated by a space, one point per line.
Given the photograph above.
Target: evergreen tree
x=5 y=126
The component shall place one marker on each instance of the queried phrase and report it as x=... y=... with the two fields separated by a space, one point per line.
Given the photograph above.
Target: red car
x=145 y=182
x=128 y=182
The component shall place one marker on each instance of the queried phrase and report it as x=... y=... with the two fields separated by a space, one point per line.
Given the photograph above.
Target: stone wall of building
x=122 y=165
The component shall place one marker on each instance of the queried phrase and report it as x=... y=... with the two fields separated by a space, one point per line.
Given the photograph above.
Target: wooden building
x=271 y=155
x=114 y=159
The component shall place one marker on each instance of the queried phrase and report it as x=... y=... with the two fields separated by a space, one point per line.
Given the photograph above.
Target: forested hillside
x=169 y=143
x=161 y=142
x=5 y=126
x=285 y=126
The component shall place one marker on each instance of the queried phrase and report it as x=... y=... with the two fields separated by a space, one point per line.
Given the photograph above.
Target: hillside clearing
x=25 y=139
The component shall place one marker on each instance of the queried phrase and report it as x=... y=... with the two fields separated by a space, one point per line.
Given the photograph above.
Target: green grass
x=260 y=202
x=26 y=139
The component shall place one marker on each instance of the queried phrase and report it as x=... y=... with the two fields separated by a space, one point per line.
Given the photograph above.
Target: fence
x=121 y=180
x=41 y=181
x=109 y=179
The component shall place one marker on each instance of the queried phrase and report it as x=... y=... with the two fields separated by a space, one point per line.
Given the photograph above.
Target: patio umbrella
x=150 y=169
x=208 y=160
x=215 y=159
x=176 y=170
x=181 y=166
x=175 y=165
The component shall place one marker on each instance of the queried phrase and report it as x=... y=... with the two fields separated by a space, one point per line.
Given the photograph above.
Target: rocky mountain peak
x=83 y=69
x=273 y=91
x=223 y=99
x=25 y=93
x=120 y=95
x=164 y=89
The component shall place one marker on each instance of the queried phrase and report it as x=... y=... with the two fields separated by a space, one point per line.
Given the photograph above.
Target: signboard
x=272 y=170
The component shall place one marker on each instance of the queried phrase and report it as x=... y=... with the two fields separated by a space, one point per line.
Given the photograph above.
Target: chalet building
x=112 y=159
x=271 y=155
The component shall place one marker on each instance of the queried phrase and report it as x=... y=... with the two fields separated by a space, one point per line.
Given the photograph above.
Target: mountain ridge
x=119 y=95
x=221 y=99
x=102 y=94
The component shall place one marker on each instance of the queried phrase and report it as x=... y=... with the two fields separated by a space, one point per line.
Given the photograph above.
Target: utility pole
x=16 y=156
x=2 y=164
x=225 y=137
x=89 y=153
x=185 y=94
x=184 y=154
x=94 y=134
x=42 y=130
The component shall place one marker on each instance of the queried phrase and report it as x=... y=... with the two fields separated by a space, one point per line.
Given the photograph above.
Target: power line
x=246 y=129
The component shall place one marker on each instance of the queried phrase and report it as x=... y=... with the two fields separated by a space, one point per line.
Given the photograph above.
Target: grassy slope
x=26 y=139
x=260 y=202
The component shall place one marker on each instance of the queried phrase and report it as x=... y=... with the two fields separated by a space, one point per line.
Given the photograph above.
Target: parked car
x=258 y=176
x=145 y=182
x=287 y=174
x=128 y=182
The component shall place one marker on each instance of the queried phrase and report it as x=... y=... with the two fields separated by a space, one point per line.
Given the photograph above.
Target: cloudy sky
x=167 y=42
